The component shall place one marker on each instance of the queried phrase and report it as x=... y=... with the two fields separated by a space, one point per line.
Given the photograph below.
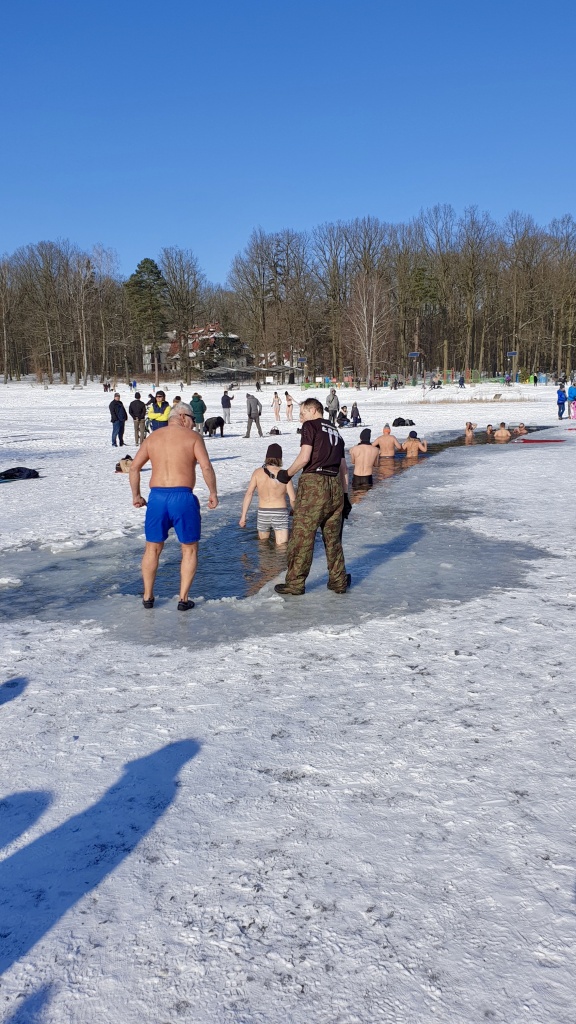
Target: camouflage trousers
x=319 y=502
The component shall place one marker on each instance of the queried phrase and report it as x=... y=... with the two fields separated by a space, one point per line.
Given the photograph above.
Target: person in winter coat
x=561 y=401
x=332 y=406
x=572 y=402
x=158 y=411
x=118 y=416
x=137 y=410
x=198 y=408
x=226 y=403
x=355 y=415
x=254 y=411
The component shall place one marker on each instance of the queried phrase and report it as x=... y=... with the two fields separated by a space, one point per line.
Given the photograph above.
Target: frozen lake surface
x=331 y=809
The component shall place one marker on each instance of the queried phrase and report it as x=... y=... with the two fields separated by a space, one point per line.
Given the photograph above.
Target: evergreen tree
x=148 y=298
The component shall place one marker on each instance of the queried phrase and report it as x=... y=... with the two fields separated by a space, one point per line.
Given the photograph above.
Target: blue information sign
x=413 y=355
x=511 y=354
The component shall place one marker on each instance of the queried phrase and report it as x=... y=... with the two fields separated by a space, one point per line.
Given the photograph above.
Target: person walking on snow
x=254 y=411
x=561 y=401
x=118 y=416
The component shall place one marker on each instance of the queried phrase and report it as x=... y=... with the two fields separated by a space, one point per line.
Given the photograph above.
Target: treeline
x=359 y=295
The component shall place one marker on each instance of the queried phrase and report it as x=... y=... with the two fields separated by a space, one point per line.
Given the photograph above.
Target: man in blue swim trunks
x=174 y=453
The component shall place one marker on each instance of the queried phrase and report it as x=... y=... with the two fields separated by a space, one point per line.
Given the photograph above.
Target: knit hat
x=386 y=426
x=274 y=451
x=412 y=434
x=365 y=436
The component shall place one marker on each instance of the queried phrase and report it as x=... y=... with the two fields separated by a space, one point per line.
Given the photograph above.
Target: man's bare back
x=364 y=457
x=387 y=445
x=173 y=453
x=271 y=493
x=413 y=446
x=502 y=434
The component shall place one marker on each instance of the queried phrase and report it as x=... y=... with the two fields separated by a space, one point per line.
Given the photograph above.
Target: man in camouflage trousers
x=319 y=501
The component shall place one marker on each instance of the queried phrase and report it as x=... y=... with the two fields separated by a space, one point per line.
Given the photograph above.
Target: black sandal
x=184 y=606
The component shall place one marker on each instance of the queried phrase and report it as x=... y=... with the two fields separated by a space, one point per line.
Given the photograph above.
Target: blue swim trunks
x=172 y=506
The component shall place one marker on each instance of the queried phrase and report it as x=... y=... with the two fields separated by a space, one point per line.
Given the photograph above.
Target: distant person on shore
x=177 y=399
x=342 y=418
x=561 y=401
x=387 y=444
x=571 y=401
x=198 y=409
x=290 y=405
x=226 y=403
x=118 y=416
x=413 y=445
x=254 y=411
x=355 y=415
x=502 y=434
x=137 y=411
x=258 y=386
x=173 y=453
x=276 y=403
x=332 y=406
x=363 y=457
x=461 y=381
x=272 y=510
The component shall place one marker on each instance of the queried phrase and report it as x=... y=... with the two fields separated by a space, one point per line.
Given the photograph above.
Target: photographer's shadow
x=39 y=883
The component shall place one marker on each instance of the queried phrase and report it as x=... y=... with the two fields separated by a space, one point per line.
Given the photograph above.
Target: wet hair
x=502 y=424
x=272 y=461
x=313 y=403
x=181 y=409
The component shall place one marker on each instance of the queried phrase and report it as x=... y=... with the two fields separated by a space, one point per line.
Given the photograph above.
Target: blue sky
x=142 y=125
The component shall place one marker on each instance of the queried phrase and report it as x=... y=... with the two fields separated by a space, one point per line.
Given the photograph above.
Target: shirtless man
x=413 y=445
x=173 y=453
x=387 y=444
x=272 y=511
x=520 y=429
x=469 y=429
x=364 y=457
x=502 y=434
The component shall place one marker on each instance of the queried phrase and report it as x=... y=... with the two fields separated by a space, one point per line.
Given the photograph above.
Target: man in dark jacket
x=254 y=410
x=118 y=415
x=226 y=403
x=137 y=410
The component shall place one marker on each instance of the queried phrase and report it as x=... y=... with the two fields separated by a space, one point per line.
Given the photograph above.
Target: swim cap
x=412 y=434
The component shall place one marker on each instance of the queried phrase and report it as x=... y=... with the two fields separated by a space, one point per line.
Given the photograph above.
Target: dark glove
x=347 y=507
x=282 y=476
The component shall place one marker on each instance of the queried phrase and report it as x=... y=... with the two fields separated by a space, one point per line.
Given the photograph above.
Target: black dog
x=211 y=426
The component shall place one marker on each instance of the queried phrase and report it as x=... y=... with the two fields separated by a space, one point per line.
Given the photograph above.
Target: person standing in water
x=413 y=445
x=174 y=453
x=363 y=457
x=387 y=444
x=272 y=511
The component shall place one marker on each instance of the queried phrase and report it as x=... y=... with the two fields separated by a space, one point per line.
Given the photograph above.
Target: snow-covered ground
x=330 y=810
